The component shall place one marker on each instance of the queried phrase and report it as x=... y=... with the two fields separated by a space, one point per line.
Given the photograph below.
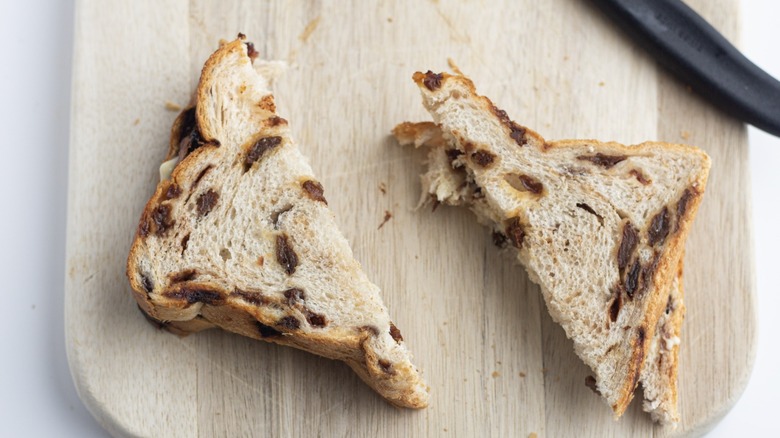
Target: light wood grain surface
x=496 y=363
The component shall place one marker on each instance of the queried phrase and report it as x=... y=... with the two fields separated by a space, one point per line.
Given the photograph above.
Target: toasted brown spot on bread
x=196 y=294
x=386 y=366
x=184 y=241
x=659 y=227
x=275 y=121
x=682 y=205
x=251 y=52
x=639 y=354
x=185 y=275
x=285 y=254
x=267 y=331
x=294 y=296
x=267 y=103
x=628 y=244
x=590 y=210
x=483 y=158
x=161 y=217
x=206 y=202
x=632 y=279
x=146 y=283
x=515 y=232
x=201 y=175
x=636 y=173
x=315 y=319
x=395 y=333
x=314 y=191
x=259 y=148
x=255 y=298
x=605 y=161
x=173 y=191
x=260 y=261
x=590 y=382
x=524 y=183
x=499 y=239
x=289 y=323
x=432 y=81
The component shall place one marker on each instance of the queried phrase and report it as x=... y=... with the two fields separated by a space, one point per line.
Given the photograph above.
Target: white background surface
x=37 y=396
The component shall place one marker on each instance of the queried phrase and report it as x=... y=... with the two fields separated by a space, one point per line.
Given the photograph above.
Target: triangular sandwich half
x=599 y=226
x=240 y=237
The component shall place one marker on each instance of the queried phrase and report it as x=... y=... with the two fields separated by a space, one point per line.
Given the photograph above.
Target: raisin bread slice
x=240 y=237
x=599 y=226
x=443 y=183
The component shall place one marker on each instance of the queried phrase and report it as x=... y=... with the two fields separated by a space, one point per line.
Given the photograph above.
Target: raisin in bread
x=240 y=237
x=599 y=226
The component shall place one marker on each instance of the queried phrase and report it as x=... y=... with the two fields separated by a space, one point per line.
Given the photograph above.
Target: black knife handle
x=686 y=44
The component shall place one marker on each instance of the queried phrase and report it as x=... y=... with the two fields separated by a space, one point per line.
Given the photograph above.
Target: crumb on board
x=601 y=84
x=521 y=374
x=382 y=188
x=532 y=435
x=495 y=374
x=454 y=66
x=136 y=122
x=170 y=106
x=309 y=29
x=685 y=135
x=389 y=19
x=388 y=216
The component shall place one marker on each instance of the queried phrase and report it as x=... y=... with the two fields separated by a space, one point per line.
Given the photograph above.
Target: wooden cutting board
x=496 y=363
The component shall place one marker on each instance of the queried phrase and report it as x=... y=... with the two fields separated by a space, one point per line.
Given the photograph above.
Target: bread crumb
x=495 y=374
x=136 y=122
x=565 y=57
x=685 y=135
x=389 y=19
x=170 y=106
x=382 y=188
x=445 y=429
x=454 y=66
x=532 y=435
x=388 y=216
x=521 y=374
x=309 y=29
x=601 y=84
